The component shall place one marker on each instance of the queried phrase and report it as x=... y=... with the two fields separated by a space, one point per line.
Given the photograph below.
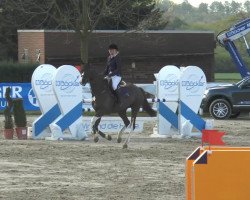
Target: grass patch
x=227 y=77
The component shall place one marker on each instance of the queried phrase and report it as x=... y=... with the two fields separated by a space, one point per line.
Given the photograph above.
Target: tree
x=236 y=7
x=203 y=8
x=83 y=16
x=7 y=41
x=165 y=5
x=247 y=6
x=176 y=23
x=228 y=10
x=186 y=7
x=13 y=17
x=217 y=7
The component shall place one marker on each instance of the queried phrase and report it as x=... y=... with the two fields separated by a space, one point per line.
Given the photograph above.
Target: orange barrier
x=195 y=181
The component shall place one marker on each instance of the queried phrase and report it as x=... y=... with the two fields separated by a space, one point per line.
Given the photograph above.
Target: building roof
x=120 y=31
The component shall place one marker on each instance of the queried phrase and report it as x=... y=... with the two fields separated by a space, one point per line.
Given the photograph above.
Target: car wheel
x=220 y=109
x=235 y=115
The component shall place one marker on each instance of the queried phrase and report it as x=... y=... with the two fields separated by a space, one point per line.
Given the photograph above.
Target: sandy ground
x=149 y=169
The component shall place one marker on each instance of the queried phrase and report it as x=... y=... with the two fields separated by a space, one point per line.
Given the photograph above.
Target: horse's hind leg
x=126 y=123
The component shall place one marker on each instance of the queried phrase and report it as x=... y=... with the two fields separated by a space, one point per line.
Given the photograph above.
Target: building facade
x=142 y=53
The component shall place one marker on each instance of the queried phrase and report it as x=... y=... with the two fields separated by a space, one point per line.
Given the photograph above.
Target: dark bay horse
x=105 y=103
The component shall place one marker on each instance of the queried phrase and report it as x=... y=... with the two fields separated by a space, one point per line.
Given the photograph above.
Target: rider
x=113 y=68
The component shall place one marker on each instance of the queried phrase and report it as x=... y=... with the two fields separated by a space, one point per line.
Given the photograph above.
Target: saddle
x=121 y=91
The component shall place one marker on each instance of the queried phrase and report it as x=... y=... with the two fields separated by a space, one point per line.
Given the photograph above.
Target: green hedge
x=225 y=64
x=16 y=72
x=227 y=77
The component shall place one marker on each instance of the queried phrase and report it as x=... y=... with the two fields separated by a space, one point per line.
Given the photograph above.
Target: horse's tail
x=146 y=106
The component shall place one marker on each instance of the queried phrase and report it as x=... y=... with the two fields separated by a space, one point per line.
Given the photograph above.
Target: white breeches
x=115 y=81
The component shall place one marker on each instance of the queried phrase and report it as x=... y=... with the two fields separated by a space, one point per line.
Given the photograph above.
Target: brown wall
x=32 y=41
x=154 y=43
x=62 y=44
x=146 y=67
x=150 y=51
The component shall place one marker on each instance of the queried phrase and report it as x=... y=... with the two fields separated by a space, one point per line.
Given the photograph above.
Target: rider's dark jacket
x=113 y=66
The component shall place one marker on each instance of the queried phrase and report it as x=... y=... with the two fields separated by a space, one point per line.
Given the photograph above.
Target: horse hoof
x=119 y=140
x=96 y=139
x=125 y=146
x=109 y=137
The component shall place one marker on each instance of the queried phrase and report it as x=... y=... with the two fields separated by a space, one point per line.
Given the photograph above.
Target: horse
x=105 y=103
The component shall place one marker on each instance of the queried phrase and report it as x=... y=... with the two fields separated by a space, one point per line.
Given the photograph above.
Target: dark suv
x=227 y=101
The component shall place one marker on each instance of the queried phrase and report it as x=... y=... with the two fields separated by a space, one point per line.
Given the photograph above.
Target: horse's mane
x=95 y=72
x=96 y=80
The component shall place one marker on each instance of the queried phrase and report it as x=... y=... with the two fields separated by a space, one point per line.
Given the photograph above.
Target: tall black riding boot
x=118 y=100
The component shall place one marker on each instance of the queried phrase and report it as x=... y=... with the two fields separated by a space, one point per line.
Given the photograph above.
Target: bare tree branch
x=83 y=16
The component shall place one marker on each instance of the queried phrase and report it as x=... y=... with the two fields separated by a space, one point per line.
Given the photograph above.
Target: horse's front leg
x=132 y=127
x=125 y=145
x=96 y=122
x=94 y=125
x=125 y=120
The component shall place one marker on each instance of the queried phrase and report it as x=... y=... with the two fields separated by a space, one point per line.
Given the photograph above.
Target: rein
x=96 y=93
x=102 y=92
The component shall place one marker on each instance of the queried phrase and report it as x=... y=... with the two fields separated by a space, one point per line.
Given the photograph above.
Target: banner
x=114 y=124
x=19 y=90
x=167 y=88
